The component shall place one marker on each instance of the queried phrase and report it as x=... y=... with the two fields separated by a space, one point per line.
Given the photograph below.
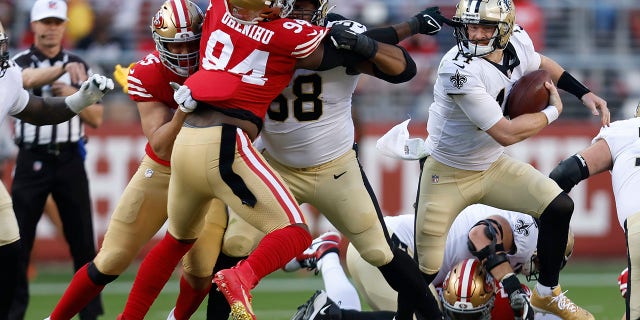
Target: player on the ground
x=518 y=236
x=142 y=209
x=616 y=149
x=249 y=51
x=467 y=163
x=18 y=102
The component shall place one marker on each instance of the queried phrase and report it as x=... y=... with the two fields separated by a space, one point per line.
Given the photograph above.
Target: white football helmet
x=4 y=51
x=468 y=292
x=178 y=21
x=498 y=13
x=317 y=16
x=254 y=11
x=531 y=268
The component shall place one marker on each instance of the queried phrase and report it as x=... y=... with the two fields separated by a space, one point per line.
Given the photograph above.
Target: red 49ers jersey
x=245 y=66
x=148 y=81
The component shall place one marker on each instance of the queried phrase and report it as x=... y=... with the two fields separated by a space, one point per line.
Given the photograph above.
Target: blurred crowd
x=596 y=40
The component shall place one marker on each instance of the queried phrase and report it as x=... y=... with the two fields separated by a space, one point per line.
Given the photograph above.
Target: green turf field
x=590 y=284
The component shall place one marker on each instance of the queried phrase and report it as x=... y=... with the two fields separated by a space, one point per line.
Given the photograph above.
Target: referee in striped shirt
x=51 y=158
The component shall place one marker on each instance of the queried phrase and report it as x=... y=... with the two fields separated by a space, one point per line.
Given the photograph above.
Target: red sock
x=80 y=292
x=154 y=272
x=189 y=300
x=277 y=248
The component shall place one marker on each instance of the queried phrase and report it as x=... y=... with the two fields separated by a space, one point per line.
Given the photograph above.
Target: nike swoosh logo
x=322 y=311
x=460 y=66
x=430 y=22
x=336 y=176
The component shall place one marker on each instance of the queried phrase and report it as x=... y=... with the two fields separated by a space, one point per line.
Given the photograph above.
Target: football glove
x=182 y=96
x=521 y=305
x=429 y=21
x=91 y=91
x=344 y=38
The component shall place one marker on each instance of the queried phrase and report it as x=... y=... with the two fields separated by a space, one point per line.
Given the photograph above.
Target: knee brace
x=493 y=254
x=569 y=172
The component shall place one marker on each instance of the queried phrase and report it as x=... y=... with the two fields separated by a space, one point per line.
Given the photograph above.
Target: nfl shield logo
x=148 y=173
x=435 y=178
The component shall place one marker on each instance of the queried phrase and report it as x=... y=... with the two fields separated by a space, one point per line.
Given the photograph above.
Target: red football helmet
x=468 y=292
x=254 y=11
x=178 y=21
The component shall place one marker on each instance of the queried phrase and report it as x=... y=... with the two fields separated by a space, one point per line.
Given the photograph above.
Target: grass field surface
x=590 y=284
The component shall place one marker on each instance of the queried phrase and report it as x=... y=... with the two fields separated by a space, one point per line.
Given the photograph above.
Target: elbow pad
x=569 y=172
x=407 y=74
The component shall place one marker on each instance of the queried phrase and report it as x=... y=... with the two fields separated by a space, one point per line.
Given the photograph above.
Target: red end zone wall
x=114 y=153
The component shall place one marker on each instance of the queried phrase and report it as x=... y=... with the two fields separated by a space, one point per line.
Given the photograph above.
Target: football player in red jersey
x=142 y=209
x=248 y=55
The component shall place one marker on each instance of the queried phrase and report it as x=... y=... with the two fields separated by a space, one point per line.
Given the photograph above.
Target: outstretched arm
x=52 y=110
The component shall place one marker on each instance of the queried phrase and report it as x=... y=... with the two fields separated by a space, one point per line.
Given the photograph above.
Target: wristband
x=570 y=84
x=551 y=112
x=414 y=24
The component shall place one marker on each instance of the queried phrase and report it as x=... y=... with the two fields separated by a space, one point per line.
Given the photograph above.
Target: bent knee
x=238 y=246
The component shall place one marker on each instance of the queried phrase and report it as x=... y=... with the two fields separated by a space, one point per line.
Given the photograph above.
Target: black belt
x=51 y=148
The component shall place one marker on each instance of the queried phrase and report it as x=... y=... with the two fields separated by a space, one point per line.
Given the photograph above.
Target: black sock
x=8 y=275
x=217 y=305
x=367 y=315
x=403 y=276
x=552 y=238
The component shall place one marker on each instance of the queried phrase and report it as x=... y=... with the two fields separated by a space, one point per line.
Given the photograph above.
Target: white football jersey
x=457 y=135
x=13 y=97
x=524 y=227
x=310 y=122
x=623 y=138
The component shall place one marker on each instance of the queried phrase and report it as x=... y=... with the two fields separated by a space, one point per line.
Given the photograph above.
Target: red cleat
x=237 y=290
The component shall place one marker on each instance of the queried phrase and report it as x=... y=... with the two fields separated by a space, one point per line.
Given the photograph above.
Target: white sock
x=543 y=291
x=336 y=283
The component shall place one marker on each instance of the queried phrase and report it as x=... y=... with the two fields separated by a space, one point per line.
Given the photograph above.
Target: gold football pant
x=445 y=191
x=141 y=212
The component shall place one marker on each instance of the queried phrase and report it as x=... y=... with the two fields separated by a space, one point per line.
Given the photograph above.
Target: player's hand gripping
x=91 y=91
x=344 y=38
x=182 y=96
x=521 y=305
x=429 y=21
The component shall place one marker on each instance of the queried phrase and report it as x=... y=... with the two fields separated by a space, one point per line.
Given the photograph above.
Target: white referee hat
x=43 y=9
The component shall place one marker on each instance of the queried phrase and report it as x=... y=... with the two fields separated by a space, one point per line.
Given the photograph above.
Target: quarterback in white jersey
x=615 y=148
x=18 y=102
x=467 y=163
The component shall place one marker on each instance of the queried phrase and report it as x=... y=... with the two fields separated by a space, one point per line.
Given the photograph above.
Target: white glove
x=182 y=95
x=91 y=91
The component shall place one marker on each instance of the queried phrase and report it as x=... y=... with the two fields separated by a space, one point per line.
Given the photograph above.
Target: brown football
x=528 y=94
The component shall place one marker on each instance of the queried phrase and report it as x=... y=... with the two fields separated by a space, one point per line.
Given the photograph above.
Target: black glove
x=521 y=305
x=429 y=21
x=343 y=37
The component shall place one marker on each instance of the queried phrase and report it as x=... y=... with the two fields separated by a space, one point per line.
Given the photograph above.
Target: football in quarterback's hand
x=528 y=94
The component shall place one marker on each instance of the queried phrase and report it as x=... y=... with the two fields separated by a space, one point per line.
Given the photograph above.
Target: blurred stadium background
x=598 y=41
